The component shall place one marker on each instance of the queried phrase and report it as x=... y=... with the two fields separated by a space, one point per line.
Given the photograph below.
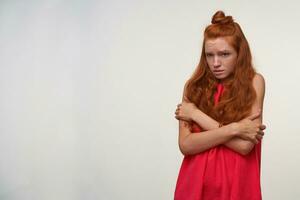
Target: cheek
x=231 y=64
x=231 y=68
x=210 y=67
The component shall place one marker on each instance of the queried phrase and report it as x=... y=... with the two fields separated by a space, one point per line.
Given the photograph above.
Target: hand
x=248 y=129
x=185 y=110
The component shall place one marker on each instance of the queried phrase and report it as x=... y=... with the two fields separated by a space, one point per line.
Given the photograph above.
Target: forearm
x=198 y=142
x=237 y=144
x=204 y=121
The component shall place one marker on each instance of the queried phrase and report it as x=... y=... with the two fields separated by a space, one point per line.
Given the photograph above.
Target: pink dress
x=219 y=173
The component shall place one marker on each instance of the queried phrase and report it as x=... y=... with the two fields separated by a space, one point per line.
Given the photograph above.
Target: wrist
x=195 y=114
x=234 y=128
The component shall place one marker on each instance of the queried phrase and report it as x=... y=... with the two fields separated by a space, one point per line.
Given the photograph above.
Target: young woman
x=220 y=119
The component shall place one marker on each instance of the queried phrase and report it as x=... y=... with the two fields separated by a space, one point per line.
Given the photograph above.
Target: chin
x=221 y=77
x=224 y=77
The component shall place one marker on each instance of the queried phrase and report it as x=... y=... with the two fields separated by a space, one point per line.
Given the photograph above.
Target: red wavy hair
x=239 y=94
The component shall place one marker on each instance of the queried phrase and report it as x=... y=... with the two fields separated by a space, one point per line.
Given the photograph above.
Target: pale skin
x=239 y=136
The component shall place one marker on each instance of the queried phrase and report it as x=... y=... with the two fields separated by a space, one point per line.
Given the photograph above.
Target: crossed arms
x=239 y=136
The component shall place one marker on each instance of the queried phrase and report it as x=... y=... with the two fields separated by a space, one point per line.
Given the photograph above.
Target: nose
x=216 y=62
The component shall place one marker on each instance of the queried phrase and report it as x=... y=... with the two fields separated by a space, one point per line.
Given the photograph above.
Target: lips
x=218 y=71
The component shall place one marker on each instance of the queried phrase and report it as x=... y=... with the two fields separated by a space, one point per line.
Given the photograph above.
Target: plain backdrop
x=88 y=91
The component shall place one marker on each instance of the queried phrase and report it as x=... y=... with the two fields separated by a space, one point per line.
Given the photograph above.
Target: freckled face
x=220 y=56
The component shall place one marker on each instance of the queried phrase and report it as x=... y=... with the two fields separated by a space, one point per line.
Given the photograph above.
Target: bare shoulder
x=258 y=79
x=184 y=90
x=259 y=84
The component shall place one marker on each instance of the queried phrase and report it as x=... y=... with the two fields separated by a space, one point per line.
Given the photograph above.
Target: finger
x=253 y=139
x=261 y=133
x=179 y=119
x=254 y=116
x=178 y=105
x=259 y=137
x=182 y=118
x=262 y=127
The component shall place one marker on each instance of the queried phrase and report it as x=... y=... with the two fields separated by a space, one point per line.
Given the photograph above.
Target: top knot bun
x=220 y=18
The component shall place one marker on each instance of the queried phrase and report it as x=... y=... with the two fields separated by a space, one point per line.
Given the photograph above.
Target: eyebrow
x=222 y=51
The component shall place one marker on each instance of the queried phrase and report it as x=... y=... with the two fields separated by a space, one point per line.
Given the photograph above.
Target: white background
x=89 y=90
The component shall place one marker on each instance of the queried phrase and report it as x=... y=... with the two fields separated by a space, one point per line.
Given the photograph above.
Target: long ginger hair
x=239 y=94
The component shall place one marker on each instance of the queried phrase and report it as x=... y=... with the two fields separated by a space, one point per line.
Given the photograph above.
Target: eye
x=225 y=54
x=209 y=54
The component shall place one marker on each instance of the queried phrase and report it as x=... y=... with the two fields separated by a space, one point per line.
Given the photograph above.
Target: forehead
x=218 y=44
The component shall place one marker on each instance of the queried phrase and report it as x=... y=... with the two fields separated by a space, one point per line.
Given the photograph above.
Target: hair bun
x=220 y=18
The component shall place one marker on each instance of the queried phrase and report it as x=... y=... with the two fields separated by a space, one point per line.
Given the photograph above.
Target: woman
x=220 y=119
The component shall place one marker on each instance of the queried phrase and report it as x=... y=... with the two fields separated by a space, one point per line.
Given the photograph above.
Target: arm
x=244 y=146
x=259 y=87
x=190 y=144
x=246 y=129
x=237 y=144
